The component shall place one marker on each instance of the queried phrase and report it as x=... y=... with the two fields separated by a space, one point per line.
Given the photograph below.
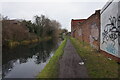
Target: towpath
x=69 y=64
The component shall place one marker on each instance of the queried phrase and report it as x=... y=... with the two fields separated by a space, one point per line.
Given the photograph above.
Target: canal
x=27 y=61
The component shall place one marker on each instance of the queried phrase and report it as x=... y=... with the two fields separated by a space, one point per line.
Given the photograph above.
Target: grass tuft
x=11 y=43
x=98 y=65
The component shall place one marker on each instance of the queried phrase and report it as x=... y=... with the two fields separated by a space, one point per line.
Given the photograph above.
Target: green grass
x=98 y=65
x=52 y=68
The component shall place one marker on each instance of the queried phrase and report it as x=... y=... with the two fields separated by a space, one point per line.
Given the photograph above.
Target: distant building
x=17 y=23
x=11 y=22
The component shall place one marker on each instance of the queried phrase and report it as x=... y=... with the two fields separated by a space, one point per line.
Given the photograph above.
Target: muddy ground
x=69 y=64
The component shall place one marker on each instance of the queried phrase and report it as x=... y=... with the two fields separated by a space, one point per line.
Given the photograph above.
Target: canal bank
x=52 y=68
x=75 y=59
x=12 y=43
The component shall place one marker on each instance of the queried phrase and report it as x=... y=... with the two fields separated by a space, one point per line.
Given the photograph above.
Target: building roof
x=106 y=5
x=78 y=20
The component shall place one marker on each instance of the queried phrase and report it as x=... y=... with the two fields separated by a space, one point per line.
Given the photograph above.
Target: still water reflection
x=27 y=61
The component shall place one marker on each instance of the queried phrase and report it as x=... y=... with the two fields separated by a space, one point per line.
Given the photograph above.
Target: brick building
x=87 y=30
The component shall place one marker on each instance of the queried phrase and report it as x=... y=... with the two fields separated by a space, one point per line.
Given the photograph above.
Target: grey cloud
x=62 y=12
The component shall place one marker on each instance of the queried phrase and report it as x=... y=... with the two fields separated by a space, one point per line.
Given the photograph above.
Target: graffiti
x=110 y=48
x=111 y=31
x=94 y=32
x=92 y=43
x=119 y=30
x=80 y=32
x=94 y=35
x=119 y=35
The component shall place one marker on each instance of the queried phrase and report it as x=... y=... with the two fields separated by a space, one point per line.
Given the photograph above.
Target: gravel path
x=69 y=64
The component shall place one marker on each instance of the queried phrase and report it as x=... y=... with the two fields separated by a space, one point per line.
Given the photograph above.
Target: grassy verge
x=51 y=69
x=98 y=65
x=11 y=43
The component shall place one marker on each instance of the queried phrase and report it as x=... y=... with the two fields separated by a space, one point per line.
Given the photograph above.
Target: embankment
x=52 y=68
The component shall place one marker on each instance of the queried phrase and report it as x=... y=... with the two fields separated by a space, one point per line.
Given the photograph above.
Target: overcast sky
x=61 y=10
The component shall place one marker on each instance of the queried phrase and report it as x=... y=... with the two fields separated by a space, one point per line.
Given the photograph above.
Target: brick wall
x=75 y=24
x=87 y=30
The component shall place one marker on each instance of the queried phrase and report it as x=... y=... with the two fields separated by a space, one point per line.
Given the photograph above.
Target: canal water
x=27 y=61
